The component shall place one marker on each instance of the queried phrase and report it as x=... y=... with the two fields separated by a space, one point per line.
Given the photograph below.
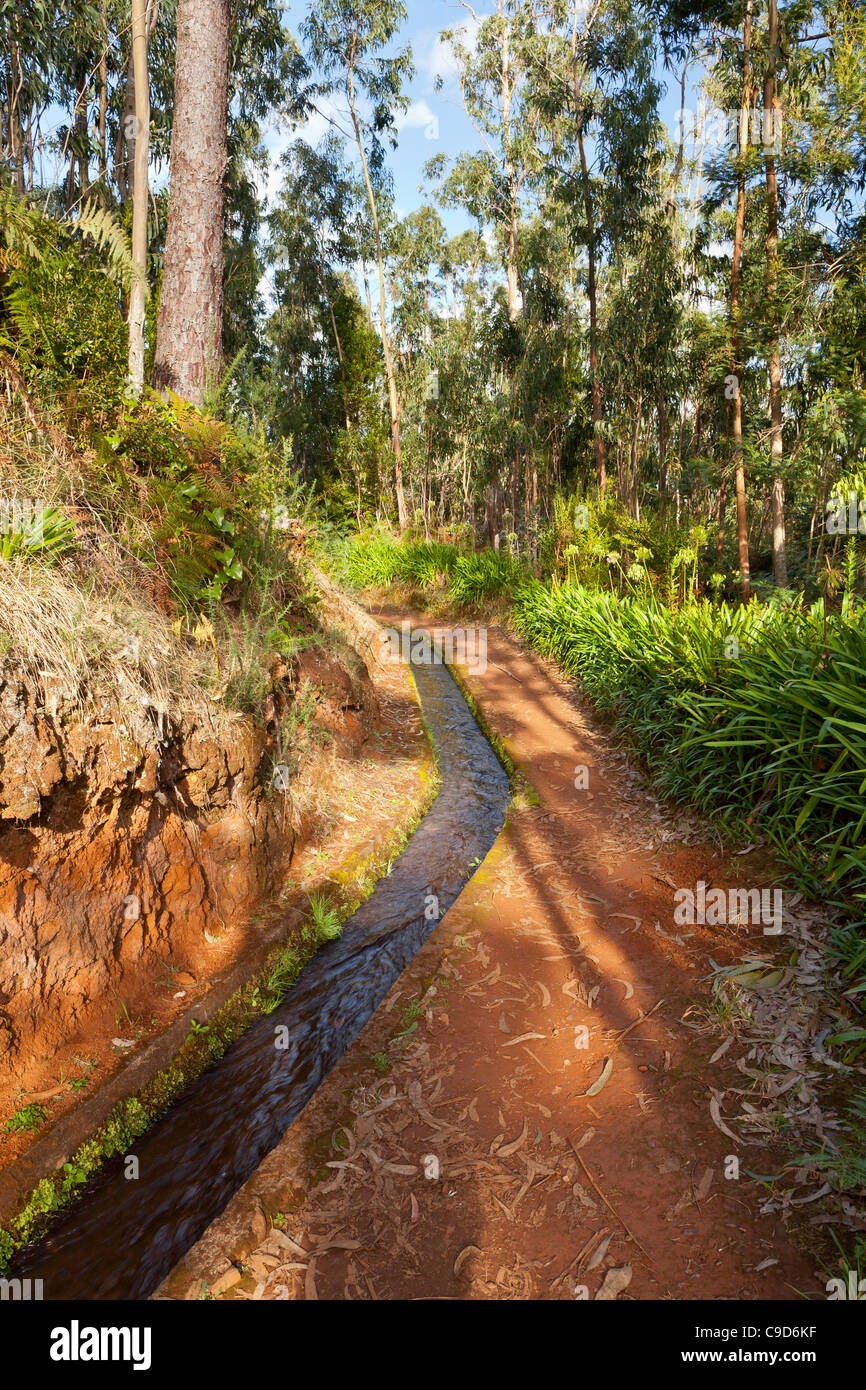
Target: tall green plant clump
x=756 y=714
x=462 y=577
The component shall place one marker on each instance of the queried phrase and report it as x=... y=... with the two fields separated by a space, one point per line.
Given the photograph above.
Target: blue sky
x=435 y=121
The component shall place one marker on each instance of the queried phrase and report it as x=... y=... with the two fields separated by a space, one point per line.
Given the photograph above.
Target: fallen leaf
x=601 y=1080
x=599 y=1254
x=720 y=1051
x=464 y=1256
x=508 y=1149
x=716 y=1117
x=616 y=1281
x=524 y=1037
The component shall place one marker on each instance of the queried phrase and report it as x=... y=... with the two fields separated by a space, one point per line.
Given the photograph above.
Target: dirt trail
x=479 y=1062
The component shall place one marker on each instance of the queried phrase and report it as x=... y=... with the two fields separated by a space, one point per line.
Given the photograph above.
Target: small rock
x=259 y=1222
x=226 y=1281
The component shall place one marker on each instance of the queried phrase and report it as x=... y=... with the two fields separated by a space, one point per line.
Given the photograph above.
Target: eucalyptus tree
x=144 y=14
x=345 y=39
x=28 y=70
x=593 y=80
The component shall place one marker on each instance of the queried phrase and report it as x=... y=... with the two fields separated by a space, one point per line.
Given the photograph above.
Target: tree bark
x=511 y=268
x=141 y=147
x=780 y=560
x=736 y=348
x=189 y=324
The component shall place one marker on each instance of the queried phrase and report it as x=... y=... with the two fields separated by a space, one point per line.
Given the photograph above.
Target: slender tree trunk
x=780 y=560
x=595 y=382
x=189 y=325
x=337 y=343
x=141 y=147
x=103 y=102
x=79 y=130
x=390 y=378
x=577 y=72
x=511 y=268
x=662 y=414
x=16 y=133
x=736 y=348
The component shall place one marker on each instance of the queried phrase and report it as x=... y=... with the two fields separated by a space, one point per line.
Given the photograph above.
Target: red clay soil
x=559 y=972
x=359 y=784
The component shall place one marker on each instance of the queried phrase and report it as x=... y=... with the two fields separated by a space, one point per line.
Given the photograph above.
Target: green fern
x=98 y=226
x=30 y=233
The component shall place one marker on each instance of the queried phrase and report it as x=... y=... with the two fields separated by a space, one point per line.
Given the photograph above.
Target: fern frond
x=102 y=229
x=27 y=230
x=23 y=228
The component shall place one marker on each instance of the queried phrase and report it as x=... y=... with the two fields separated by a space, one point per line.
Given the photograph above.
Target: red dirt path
x=565 y=936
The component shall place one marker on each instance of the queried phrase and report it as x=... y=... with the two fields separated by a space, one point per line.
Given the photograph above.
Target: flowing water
x=123 y=1236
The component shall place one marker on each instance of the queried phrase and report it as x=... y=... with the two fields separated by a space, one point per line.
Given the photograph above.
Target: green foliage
x=326 y=924
x=756 y=713
x=380 y=559
x=59 y=310
x=596 y=542
x=48 y=534
x=488 y=574
x=29 y=1117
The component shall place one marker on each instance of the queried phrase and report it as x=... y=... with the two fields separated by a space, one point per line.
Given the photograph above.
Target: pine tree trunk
x=736 y=349
x=780 y=561
x=189 y=325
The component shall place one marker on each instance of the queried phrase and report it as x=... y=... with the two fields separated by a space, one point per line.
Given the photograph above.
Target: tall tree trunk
x=78 y=133
x=511 y=268
x=662 y=415
x=595 y=381
x=141 y=142
x=780 y=560
x=578 y=70
x=103 y=102
x=390 y=377
x=190 y=320
x=736 y=347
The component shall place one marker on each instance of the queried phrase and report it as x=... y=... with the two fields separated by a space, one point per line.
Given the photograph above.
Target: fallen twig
x=609 y=1206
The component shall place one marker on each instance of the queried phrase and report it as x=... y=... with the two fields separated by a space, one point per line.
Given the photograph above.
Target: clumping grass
x=755 y=714
x=326 y=923
x=69 y=640
x=461 y=577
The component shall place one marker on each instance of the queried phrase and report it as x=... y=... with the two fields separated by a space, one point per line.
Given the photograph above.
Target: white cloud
x=421 y=116
x=441 y=60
